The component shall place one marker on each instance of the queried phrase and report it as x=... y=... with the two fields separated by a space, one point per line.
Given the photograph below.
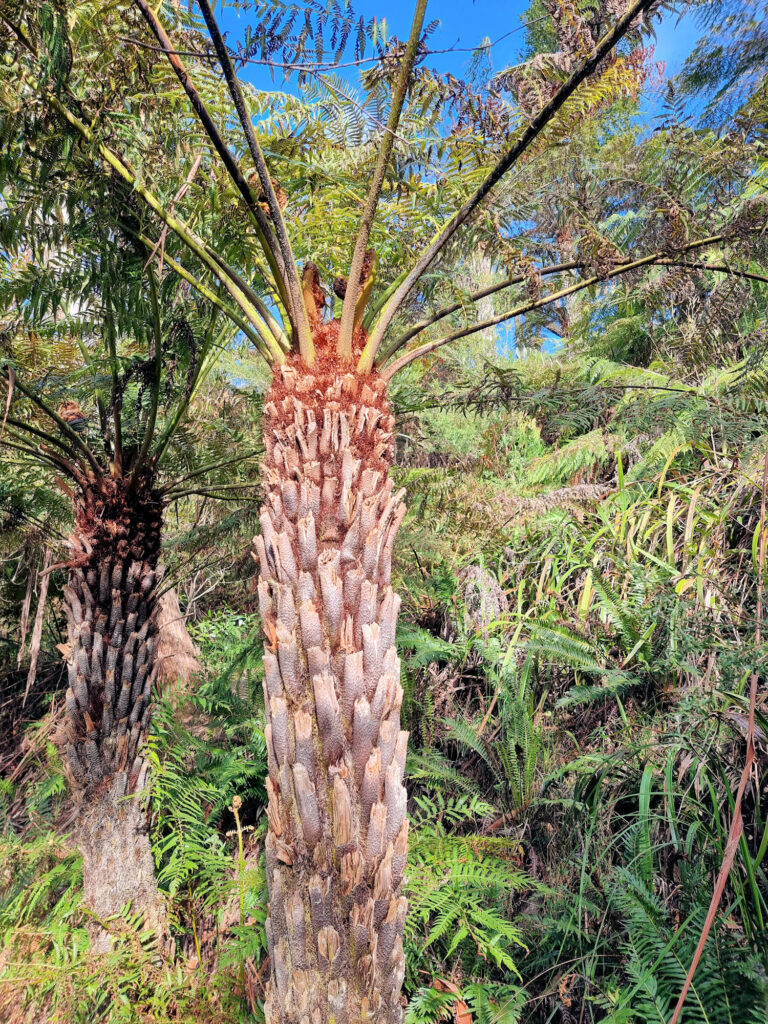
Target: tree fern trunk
x=118 y=867
x=177 y=659
x=337 y=838
x=110 y=602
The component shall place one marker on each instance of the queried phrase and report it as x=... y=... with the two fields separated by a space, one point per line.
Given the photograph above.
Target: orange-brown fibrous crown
x=333 y=385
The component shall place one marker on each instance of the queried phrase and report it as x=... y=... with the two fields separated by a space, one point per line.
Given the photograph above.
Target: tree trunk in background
x=118 y=867
x=111 y=607
x=37 y=629
x=177 y=658
x=337 y=838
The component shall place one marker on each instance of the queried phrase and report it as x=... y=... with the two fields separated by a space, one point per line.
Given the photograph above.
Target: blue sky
x=465 y=23
x=462 y=27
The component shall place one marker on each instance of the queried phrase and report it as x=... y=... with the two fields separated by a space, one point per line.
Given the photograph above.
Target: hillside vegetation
x=582 y=565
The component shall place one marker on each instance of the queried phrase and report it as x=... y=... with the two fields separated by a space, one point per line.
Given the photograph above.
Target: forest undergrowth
x=582 y=565
x=577 y=695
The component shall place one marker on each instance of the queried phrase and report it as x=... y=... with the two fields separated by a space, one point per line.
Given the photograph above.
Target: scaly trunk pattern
x=337 y=839
x=110 y=603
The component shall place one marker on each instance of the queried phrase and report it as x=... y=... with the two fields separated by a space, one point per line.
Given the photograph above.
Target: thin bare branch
x=248 y=329
x=160 y=244
x=9 y=398
x=37 y=629
x=214 y=299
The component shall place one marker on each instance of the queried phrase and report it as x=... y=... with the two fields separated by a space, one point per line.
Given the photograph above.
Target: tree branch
x=718 y=268
x=539 y=122
x=44 y=454
x=213 y=492
x=213 y=298
x=179 y=269
x=272 y=325
x=160 y=244
x=189 y=393
x=422 y=325
x=653 y=258
x=201 y=470
x=187 y=236
x=48 y=438
x=63 y=426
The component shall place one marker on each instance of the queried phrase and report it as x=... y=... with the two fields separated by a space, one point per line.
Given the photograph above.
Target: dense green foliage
x=582 y=565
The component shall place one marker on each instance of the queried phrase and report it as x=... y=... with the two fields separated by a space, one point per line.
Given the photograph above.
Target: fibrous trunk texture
x=110 y=602
x=177 y=660
x=118 y=866
x=337 y=839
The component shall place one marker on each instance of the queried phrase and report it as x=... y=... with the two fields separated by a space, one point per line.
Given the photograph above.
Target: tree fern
x=729 y=986
x=460 y=887
x=194 y=780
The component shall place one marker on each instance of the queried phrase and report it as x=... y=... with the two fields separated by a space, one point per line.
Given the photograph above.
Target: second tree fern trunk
x=337 y=839
x=110 y=602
